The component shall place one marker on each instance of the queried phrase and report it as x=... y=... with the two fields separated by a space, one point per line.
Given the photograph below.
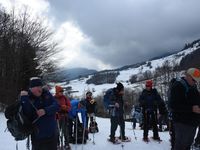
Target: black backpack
x=18 y=124
x=93 y=127
x=171 y=84
x=79 y=134
x=107 y=99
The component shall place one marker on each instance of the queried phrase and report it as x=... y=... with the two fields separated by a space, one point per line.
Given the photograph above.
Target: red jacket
x=65 y=105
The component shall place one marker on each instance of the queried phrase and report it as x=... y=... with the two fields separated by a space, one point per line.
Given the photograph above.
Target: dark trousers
x=45 y=144
x=184 y=136
x=70 y=128
x=150 y=119
x=134 y=122
x=115 y=121
x=63 y=128
x=172 y=134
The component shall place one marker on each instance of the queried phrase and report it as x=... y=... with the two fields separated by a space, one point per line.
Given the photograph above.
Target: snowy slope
x=7 y=142
x=124 y=76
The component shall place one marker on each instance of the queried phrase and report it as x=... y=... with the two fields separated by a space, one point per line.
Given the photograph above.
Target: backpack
x=79 y=134
x=17 y=123
x=93 y=127
x=107 y=99
x=171 y=84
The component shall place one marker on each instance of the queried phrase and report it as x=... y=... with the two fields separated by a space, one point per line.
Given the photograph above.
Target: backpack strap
x=185 y=85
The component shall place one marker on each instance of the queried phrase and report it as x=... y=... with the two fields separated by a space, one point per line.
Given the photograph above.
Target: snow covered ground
x=7 y=142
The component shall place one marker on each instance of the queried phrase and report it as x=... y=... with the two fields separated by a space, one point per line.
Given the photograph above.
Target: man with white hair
x=184 y=103
x=40 y=107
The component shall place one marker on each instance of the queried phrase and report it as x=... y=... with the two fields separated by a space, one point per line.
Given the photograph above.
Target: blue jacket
x=75 y=110
x=45 y=126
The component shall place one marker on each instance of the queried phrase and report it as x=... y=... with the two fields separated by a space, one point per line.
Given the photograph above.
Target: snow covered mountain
x=188 y=57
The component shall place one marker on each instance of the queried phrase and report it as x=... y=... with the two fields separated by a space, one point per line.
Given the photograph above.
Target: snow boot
x=114 y=140
x=145 y=139
x=124 y=139
x=157 y=139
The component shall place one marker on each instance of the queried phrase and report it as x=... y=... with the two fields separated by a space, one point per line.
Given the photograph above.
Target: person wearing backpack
x=74 y=121
x=62 y=117
x=113 y=100
x=149 y=101
x=184 y=104
x=40 y=106
x=91 y=107
x=136 y=113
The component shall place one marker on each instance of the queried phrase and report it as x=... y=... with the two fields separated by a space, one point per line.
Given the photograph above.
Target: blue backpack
x=107 y=99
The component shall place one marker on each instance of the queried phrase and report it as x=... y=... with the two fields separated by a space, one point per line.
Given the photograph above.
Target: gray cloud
x=129 y=31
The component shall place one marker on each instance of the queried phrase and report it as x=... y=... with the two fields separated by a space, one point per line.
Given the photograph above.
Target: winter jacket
x=182 y=102
x=75 y=110
x=116 y=98
x=64 y=104
x=45 y=126
x=90 y=106
x=149 y=100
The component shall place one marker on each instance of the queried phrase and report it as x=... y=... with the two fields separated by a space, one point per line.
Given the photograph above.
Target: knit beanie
x=35 y=81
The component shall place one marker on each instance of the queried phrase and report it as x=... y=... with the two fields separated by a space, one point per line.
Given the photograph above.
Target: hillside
x=181 y=60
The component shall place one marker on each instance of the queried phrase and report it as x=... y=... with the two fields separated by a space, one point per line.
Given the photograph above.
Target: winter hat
x=149 y=83
x=35 y=81
x=58 y=89
x=89 y=93
x=194 y=73
x=120 y=86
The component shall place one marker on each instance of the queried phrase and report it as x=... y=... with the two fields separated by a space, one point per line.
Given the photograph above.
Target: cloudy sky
x=104 y=34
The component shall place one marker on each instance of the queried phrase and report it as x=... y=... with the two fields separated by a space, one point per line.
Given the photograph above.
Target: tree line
x=25 y=48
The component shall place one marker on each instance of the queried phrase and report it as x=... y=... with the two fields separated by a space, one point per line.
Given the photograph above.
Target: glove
x=23 y=93
x=117 y=105
x=64 y=108
x=92 y=101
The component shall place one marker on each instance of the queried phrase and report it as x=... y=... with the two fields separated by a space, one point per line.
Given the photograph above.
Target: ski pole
x=122 y=145
x=62 y=133
x=59 y=130
x=76 y=132
x=84 y=127
x=93 y=128
x=134 y=132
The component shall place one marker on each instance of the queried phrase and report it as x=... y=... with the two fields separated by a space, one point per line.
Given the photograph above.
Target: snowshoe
x=146 y=139
x=125 y=139
x=114 y=140
x=67 y=147
x=157 y=139
x=196 y=146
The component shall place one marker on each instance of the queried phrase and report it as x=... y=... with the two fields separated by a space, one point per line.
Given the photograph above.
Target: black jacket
x=90 y=106
x=116 y=98
x=182 y=102
x=150 y=100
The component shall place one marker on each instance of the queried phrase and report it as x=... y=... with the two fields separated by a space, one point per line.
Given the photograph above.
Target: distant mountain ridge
x=182 y=57
x=64 y=74
x=133 y=76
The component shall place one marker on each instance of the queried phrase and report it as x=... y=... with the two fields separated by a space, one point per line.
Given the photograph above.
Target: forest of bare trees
x=25 y=48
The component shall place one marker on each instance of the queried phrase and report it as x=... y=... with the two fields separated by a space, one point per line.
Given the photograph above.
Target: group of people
x=183 y=111
x=55 y=118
